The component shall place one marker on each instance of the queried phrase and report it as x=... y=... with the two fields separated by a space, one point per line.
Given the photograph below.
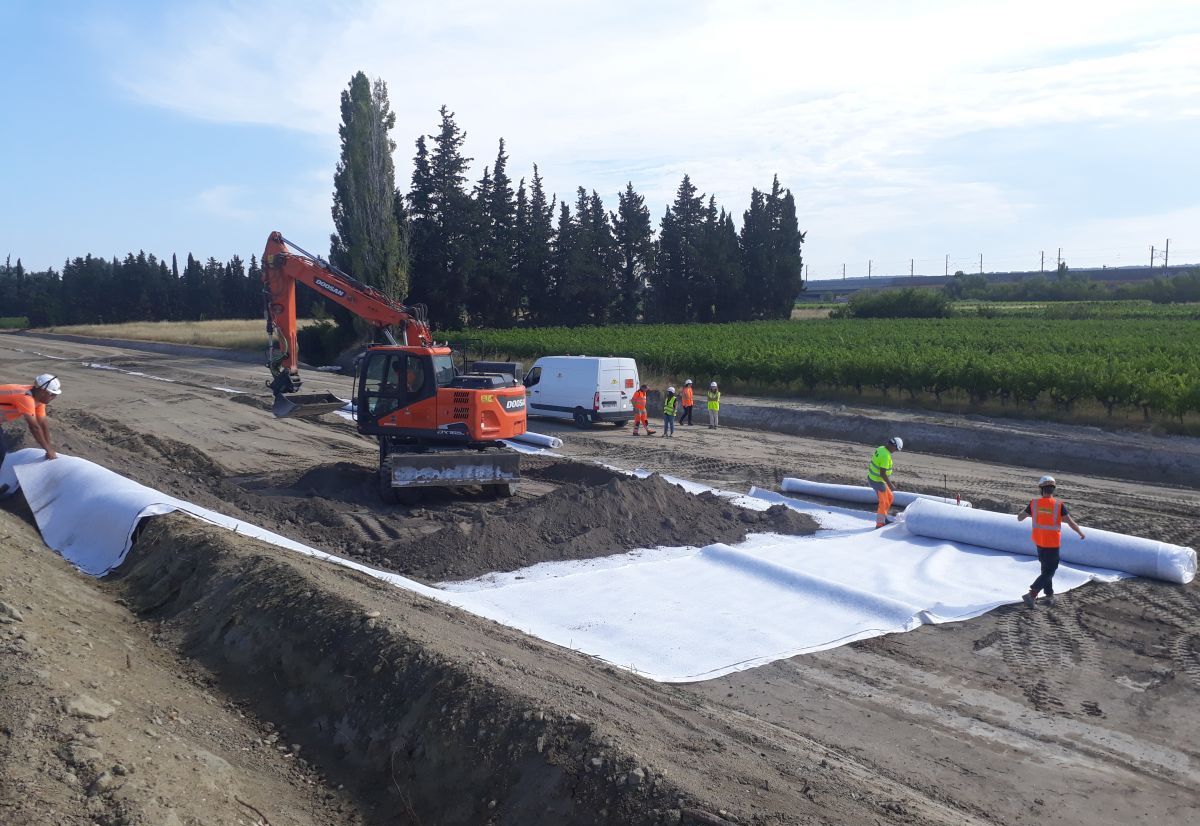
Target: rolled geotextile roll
x=539 y=440
x=857 y=493
x=1101 y=549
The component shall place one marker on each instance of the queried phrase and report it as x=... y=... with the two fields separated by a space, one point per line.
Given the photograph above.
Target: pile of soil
x=580 y=521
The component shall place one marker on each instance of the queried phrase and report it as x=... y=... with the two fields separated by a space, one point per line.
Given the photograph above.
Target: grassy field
x=1123 y=367
x=232 y=334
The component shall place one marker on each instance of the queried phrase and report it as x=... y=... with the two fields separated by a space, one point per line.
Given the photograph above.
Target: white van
x=582 y=389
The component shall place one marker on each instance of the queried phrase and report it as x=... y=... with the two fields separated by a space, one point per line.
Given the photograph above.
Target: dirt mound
x=171 y=453
x=418 y=723
x=580 y=522
x=556 y=470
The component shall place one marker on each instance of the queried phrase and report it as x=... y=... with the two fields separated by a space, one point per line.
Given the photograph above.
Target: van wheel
x=621 y=423
x=582 y=418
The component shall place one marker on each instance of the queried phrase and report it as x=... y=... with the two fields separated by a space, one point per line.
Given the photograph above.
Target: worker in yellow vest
x=879 y=477
x=1048 y=514
x=714 y=404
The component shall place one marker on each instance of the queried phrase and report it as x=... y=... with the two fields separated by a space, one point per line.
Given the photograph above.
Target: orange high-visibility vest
x=639 y=401
x=1047 y=522
x=687 y=395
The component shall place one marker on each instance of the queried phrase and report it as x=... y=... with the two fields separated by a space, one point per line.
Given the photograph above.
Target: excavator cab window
x=443 y=370
x=391 y=381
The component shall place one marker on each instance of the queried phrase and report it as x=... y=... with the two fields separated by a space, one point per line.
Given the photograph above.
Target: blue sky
x=912 y=130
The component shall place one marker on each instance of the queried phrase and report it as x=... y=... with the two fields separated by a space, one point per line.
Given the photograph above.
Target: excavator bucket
x=305 y=406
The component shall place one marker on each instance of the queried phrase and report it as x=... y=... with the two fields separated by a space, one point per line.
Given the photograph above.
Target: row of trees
x=140 y=287
x=494 y=253
x=488 y=254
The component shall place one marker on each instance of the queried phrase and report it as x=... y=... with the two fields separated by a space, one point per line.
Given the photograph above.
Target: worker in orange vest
x=28 y=402
x=639 y=411
x=686 y=400
x=1048 y=514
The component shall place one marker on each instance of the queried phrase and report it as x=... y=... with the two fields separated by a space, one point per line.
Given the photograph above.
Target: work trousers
x=1045 y=581
x=686 y=418
x=714 y=417
x=639 y=419
x=885 y=497
x=668 y=424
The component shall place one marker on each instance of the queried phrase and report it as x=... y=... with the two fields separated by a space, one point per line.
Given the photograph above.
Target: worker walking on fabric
x=714 y=405
x=879 y=476
x=28 y=402
x=1048 y=514
x=687 y=401
x=639 y=411
x=670 y=407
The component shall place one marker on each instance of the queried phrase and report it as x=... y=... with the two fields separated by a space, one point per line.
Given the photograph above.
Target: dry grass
x=231 y=334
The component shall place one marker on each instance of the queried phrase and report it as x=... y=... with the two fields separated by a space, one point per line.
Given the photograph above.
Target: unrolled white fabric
x=678 y=615
x=1100 y=549
x=858 y=493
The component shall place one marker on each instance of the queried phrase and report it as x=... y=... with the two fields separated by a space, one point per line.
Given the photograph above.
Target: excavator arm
x=284 y=265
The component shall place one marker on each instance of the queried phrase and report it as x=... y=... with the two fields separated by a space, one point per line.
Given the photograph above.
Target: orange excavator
x=436 y=426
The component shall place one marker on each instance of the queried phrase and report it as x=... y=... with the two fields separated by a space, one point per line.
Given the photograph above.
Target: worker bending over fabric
x=28 y=402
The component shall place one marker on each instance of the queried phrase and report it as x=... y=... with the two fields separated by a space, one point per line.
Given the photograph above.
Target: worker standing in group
x=687 y=401
x=1048 y=514
x=879 y=476
x=28 y=402
x=714 y=404
x=639 y=411
x=670 y=408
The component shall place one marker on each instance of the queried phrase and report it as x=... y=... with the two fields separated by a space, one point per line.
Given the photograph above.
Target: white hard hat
x=49 y=383
x=689 y=381
x=670 y=389
x=1047 y=480
x=712 y=384
x=896 y=442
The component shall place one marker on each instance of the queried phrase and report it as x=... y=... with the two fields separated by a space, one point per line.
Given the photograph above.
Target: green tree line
x=139 y=287
x=499 y=253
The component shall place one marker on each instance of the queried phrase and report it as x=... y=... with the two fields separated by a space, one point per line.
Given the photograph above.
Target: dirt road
x=1079 y=715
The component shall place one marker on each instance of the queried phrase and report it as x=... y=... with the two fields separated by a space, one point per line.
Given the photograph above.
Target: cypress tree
x=535 y=251
x=757 y=260
x=678 y=265
x=367 y=241
x=635 y=248
x=442 y=223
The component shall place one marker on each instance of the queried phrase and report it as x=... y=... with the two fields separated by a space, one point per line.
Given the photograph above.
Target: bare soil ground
x=207 y=644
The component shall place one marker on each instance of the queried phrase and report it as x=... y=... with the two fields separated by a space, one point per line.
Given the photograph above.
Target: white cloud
x=841 y=99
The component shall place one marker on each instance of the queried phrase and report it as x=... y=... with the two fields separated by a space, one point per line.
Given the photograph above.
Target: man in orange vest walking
x=1048 y=514
x=639 y=411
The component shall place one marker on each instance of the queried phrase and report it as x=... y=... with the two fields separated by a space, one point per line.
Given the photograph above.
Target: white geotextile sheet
x=1102 y=549
x=673 y=615
x=862 y=494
